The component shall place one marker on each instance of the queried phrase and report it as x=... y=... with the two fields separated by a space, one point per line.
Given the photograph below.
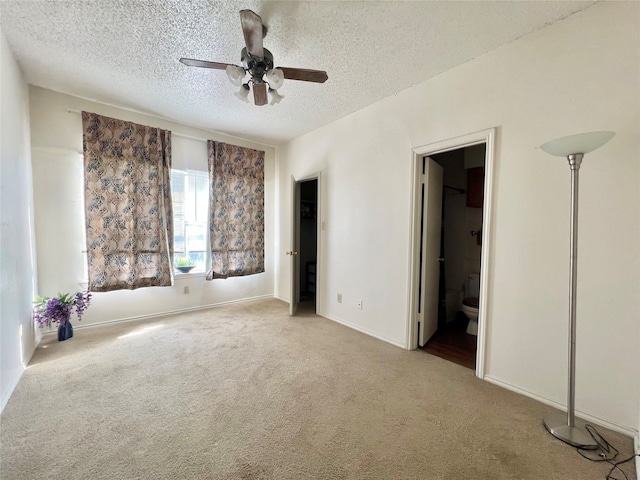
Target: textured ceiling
x=125 y=52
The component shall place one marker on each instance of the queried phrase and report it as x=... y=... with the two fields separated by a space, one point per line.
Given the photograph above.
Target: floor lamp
x=573 y=147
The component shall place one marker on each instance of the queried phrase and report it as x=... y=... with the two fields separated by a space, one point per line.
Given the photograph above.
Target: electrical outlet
x=185 y=290
x=359 y=304
x=339 y=298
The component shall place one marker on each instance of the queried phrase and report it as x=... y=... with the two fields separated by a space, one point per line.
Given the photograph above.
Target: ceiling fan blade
x=204 y=64
x=304 y=74
x=253 y=33
x=260 y=93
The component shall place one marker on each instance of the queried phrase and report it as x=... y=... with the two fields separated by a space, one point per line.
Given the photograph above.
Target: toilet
x=470 y=304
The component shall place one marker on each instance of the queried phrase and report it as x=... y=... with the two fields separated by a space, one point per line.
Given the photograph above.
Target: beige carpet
x=245 y=392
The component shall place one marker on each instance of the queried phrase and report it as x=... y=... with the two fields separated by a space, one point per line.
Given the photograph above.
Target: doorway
x=462 y=194
x=451 y=226
x=304 y=253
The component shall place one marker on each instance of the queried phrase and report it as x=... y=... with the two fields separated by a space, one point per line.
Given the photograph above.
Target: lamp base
x=576 y=436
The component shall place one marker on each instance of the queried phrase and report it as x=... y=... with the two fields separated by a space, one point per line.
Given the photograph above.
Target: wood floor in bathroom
x=453 y=343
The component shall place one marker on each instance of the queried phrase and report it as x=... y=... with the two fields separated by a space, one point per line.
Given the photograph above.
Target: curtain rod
x=73 y=110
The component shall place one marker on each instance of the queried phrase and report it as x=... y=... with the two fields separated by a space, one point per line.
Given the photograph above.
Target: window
x=190 y=191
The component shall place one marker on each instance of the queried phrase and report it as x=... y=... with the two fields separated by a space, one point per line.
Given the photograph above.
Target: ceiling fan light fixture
x=275 y=96
x=243 y=93
x=235 y=74
x=275 y=78
x=257 y=61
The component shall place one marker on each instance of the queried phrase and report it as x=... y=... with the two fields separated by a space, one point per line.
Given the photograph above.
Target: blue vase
x=65 y=331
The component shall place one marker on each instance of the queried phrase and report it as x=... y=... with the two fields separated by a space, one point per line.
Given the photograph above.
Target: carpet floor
x=246 y=392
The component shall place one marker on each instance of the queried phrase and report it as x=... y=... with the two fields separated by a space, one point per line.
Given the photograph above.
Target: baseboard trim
x=6 y=395
x=282 y=299
x=361 y=330
x=616 y=427
x=162 y=314
x=637 y=450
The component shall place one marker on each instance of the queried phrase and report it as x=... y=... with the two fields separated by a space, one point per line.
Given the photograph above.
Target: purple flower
x=59 y=309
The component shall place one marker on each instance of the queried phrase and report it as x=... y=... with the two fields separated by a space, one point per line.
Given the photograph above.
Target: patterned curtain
x=236 y=210
x=129 y=215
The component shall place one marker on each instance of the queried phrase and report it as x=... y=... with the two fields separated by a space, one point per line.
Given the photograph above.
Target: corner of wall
x=18 y=337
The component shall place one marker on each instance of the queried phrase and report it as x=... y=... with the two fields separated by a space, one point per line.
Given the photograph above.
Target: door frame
x=294 y=276
x=488 y=138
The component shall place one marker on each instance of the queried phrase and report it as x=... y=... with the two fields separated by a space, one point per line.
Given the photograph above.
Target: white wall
x=17 y=334
x=580 y=74
x=56 y=139
x=472 y=251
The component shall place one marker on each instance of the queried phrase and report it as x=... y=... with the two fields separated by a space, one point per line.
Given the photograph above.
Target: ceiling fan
x=258 y=62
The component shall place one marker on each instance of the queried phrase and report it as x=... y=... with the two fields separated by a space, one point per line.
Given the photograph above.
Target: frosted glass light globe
x=275 y=96
x=243 y=93
x=275 y=78
x=580 y=143
x=235 y=74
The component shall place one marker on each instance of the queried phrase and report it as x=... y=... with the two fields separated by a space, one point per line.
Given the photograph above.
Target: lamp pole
x=575 y=160
x=569 y=429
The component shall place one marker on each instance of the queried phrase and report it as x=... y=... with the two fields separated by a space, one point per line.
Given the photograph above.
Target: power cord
x=605 y=452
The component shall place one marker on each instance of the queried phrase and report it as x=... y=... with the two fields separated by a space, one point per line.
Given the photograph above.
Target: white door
x=295 y=245
x=430 y=249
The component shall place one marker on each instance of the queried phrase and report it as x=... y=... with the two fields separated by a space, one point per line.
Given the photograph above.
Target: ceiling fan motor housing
x=255 y=66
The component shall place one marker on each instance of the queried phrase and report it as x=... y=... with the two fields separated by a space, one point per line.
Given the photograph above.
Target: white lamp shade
x=581 y=143
x=275 y=78
x=235 y=74
x=275 y=96
x=243 y=93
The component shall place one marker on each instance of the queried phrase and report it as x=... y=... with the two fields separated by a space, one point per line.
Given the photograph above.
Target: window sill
x=179 y=275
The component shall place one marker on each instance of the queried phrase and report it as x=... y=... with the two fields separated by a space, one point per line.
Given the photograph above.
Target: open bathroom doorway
x=459 y=257
x=451 y=235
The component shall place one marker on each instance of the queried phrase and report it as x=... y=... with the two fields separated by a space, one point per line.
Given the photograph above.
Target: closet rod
x=72 y=110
